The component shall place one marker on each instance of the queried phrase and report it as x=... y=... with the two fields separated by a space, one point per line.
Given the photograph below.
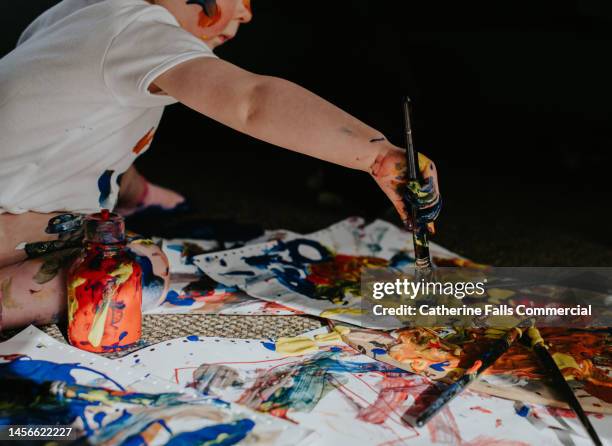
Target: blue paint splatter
x=104 y=186
x=439 y=367
x=193 y=338
x=40 y=371
x=220 y=434
x=172 y=297
x=269 y=345
x=335 y=349
x=99 y=418
x=523 y=411
x=400 y=260
x=378 y=351
x=123 y=335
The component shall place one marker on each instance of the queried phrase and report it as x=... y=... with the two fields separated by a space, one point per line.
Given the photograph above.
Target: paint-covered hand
x=389 y=171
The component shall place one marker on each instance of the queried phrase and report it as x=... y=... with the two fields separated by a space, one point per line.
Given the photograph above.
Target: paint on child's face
x=247 y=5
x=218 y=20
x=210 y=14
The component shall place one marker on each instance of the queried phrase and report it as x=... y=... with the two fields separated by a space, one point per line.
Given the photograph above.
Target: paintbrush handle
x=497 y=349
x=419 y=232
x=548 y=362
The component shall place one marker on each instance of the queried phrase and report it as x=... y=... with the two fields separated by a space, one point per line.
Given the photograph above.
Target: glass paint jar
x=104 y=288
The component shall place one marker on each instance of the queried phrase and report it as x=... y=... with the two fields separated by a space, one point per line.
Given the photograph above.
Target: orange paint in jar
x=104 y=289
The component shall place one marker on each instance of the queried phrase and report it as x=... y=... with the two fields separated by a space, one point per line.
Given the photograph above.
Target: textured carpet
x=161 y=327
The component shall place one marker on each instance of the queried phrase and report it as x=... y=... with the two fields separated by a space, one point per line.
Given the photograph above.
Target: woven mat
x=161 y=327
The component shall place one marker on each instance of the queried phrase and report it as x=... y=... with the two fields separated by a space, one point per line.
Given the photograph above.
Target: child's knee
x=155 y=272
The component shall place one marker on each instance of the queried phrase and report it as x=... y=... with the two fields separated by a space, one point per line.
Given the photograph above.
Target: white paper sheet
x=140 y=407
x=191 y=292
x=319 y=273
x=348 y=398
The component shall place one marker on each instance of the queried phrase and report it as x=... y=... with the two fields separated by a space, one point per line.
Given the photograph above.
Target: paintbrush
x=558 y=380
x=419 y=231
x=497 y=349
x=25 y=392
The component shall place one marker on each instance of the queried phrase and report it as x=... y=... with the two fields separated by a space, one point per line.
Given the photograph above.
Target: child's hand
x=389 y=171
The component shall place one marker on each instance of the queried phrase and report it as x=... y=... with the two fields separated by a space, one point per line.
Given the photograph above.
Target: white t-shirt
x=75 y=110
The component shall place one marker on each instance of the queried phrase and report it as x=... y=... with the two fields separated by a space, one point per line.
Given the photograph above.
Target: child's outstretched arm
x=282 y=113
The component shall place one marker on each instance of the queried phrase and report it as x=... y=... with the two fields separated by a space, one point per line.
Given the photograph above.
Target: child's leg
x=26 y=301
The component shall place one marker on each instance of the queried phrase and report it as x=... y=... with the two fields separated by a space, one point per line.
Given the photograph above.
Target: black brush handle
x=496 y=350
x=419 y=231
x=561 y=384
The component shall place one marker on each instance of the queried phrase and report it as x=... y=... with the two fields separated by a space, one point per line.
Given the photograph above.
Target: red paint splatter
x=393 y=392
x=561 y=413
x=443 y=428
x=480 y=409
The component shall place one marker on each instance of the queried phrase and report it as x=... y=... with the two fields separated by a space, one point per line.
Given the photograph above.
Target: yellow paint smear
x=297 y=346
x=342 y=330
x=337 y=311
x=535 y=336
x=122 y=273
x=327 y=338
x=73 y=304
x=564 y=361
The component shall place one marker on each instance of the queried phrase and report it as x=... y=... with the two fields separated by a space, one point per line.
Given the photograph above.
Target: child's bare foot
x=137 y=194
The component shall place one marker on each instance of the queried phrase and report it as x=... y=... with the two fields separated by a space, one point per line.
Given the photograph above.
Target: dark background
x=512 y=99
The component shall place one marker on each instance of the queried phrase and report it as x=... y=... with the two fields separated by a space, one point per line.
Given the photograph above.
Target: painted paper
x=348 y=398
x=584 y=356
x=115 y=405
x=320 y=273
x=191 y=291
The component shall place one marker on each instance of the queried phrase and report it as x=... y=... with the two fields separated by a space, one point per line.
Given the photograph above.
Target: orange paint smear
x=583 y=346
x=590 y=349
x=205 y=21
x=144 y=142
x=421 y=348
